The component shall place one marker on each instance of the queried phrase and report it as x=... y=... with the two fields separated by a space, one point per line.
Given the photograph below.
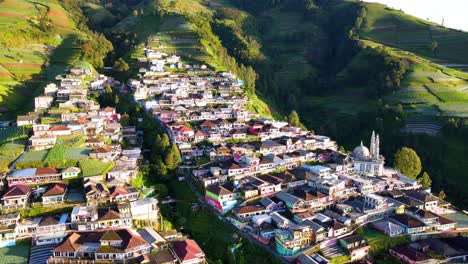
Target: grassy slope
x=29 y=62
x=291 y=66
x=397 y=29
x=428 y=88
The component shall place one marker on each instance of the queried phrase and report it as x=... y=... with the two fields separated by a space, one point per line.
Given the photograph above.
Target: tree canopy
x=120 y=65
x=408 y=162
x=293 y=118
x=172 y=158
x=425 y=180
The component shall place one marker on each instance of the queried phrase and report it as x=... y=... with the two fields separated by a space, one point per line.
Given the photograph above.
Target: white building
x=366 y=161
x=146 y=209
x=375 y=201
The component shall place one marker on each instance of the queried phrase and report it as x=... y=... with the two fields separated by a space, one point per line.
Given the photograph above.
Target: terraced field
x=433 y=92
x=428 y=88
x=291 y=58
x=396 y=29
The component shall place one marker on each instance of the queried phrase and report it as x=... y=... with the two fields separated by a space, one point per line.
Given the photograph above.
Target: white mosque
x=368 y=162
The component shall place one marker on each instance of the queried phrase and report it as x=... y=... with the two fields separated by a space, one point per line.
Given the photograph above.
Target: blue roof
x=24 y=173
x=319 y=167
x=63 y=219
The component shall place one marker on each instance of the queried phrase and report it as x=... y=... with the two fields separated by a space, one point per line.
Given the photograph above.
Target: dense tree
x=408 y=162
x=120 y=65
x=161 y=189
x=162 y=143
x=425 y=180
x=442 y=195
x=293 y=118
x=96 y=49
x=172 y=157
x=158 y=171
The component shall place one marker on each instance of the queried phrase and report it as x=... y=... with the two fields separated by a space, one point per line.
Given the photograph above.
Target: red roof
x=17 y=190
x=185 y=129
x=57 y=189
x=119 y=190
x=200 y=134
x=187 y=250
x=46 y=170
x=249 y=209
x=410 y=253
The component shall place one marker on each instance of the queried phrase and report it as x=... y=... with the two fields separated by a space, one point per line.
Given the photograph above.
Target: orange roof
x=59 y=128
x=80 y=121
x=185 y=129
x=108 y=109
x=102 y=150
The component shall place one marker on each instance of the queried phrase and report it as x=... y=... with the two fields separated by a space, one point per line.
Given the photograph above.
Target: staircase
x=333 y=251
x=40 y=254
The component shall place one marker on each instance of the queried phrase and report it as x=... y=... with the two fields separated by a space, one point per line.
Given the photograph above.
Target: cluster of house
x=283 y=184
x=310 y=205
x=90 y=234
x=64 y=112
x=102 y=226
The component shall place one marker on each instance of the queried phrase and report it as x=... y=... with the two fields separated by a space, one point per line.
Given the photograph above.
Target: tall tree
x=173 y=158
x=425 y=180
x=162 y=144
x=434 y=46
x=293 y=118
x=159 y=171
x=408 y=162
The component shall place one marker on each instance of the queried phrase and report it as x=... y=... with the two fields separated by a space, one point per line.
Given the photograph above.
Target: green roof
x=111 y=235
x=108 y=249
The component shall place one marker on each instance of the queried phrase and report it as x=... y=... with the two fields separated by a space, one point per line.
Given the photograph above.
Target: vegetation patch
x=56 y=154
x=71 y=140
x=77 y=153
x=379 y=242
x=39 y=155
x=16 y=254
x=93 y=167
x=14 y=148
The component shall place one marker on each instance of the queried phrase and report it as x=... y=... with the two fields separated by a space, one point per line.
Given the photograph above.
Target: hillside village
x=71 y=191
x=288 y=189
x=179 y=151
x=284 y=186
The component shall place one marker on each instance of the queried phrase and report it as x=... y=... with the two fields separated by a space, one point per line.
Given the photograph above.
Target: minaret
x=372 y=144
x=377 y=146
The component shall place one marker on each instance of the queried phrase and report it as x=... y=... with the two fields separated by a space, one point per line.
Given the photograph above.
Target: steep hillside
x=373 y=68
x=426 y=39
x=429 y=88
x=39 y=40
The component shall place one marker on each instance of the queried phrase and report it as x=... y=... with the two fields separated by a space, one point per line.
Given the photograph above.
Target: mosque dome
x=361 y=151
